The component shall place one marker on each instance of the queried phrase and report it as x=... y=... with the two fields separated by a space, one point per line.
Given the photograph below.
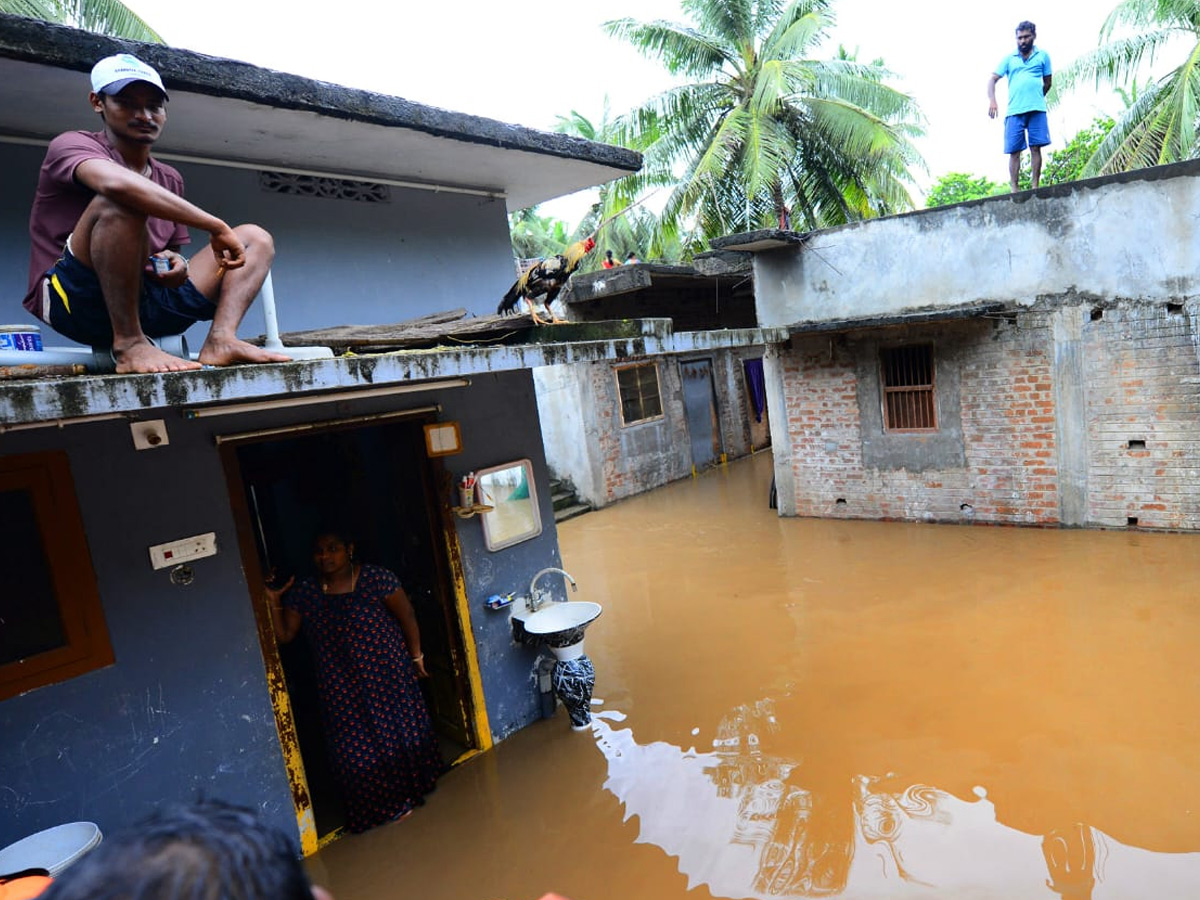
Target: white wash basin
x=561 y=618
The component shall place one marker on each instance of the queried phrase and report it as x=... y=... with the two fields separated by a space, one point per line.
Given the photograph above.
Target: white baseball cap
x=114 y=73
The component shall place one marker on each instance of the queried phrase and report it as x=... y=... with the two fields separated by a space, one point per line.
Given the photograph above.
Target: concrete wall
x=605 y=460
x=1036 y=413
x=569 y=430
x=1129 y=236
x=337 y=261
x=185 y=710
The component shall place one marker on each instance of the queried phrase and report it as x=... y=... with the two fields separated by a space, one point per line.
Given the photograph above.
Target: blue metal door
x=700 y=406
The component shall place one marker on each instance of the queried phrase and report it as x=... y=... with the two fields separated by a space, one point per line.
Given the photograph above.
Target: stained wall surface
x=1089 y=238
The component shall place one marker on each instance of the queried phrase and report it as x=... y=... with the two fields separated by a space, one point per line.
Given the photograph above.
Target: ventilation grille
x=320 y=186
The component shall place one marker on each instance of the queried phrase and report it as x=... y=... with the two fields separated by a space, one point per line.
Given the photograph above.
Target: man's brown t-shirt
x=60 y=201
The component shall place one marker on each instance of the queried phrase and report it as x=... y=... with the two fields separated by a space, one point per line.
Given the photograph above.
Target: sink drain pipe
x=549 y=703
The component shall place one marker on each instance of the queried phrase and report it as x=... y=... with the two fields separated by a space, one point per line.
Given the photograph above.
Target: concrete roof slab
x=228 y=111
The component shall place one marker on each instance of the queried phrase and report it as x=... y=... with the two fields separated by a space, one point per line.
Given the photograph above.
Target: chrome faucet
x=535 y=599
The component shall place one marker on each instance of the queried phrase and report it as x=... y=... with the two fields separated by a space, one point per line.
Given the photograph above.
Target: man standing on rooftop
x=106 y=228
x=1028 y=72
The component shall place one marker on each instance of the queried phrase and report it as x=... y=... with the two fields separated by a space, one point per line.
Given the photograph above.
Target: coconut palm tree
x=534 y=235
x=624 y=229
x=1159 y=124
x=761 y=129
x=109 y=17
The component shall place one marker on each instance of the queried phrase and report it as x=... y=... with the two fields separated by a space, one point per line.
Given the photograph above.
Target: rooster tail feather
x=509 y=303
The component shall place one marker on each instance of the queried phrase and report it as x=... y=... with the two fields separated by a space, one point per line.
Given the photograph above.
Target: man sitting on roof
x=106 y=227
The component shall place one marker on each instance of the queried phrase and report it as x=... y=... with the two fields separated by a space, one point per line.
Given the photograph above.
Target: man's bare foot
x=144 y=358
x=227 y=351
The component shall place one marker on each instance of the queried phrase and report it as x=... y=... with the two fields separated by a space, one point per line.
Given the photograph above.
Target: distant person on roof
x=1029 y=77
x=631 y=258
x=107 y=225
x=609 y=262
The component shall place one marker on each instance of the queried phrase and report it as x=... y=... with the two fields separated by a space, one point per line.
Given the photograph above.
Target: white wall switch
x=149 y=435
x=184 y=550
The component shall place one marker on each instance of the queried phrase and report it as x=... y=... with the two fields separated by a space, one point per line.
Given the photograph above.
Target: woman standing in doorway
x=367 y=649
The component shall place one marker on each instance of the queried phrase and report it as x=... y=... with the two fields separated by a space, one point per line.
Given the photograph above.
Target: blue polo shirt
x=1025 y=80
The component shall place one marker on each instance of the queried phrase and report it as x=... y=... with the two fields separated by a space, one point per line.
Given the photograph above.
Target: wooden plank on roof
x=451 y=328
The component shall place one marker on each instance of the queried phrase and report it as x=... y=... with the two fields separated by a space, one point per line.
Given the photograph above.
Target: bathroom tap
x=535 y=600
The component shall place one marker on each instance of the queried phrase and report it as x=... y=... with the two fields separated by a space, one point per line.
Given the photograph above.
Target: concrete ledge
x=909 y=317
x=757 y=241
x=100 y=395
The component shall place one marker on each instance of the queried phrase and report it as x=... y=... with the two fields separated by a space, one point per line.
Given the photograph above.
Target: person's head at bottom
x=204 y=851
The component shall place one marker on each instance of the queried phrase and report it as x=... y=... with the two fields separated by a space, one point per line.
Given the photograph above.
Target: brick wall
x=1140 y=382
x=1008 y=409
x=635 y=458
x=1143 y=382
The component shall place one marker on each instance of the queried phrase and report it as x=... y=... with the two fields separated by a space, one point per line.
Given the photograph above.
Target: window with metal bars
x=639 y=391
x=907 y=377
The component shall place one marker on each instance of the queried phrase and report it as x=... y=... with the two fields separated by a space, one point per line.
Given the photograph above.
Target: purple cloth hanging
x=758 y=386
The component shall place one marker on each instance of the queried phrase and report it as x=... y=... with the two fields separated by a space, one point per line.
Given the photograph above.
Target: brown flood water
x=795 y=707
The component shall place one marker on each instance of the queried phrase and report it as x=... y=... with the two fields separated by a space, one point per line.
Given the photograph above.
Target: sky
x=529 y=61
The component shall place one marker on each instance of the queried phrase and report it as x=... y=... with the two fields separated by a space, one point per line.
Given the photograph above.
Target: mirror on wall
x=510 y=491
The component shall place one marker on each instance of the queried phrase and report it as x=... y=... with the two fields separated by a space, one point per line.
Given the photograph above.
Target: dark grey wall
x=18 y=178
x=500 y=425
x=185 y=709
x=337 y=261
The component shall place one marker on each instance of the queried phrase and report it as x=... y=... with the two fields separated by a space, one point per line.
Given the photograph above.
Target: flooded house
x=143 y=513
x=1026 y=359
x=616 y=428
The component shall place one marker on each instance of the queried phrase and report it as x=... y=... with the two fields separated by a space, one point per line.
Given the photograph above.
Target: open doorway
x=378 y=479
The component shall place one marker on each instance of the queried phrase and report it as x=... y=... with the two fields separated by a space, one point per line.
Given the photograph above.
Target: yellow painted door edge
x=479 y=716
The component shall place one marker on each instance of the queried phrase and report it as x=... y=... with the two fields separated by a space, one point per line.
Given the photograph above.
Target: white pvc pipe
x=266 y=296
x=51 y=356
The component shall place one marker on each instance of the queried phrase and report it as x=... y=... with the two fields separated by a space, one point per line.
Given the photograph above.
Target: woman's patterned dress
x=381 y=741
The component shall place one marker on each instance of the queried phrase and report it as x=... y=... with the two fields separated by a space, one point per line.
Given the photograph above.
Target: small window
x=51 y=623
x=638 y=387
x=907 y=379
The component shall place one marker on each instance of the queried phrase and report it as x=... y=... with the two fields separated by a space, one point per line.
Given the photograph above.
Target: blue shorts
x=1015 y=127
x=74 y=305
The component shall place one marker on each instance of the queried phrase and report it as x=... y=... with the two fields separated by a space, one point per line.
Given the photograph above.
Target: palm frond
x=108 y=17
x=764 y=127
x=47 y=10
x=682 y=50
x=1114 y=63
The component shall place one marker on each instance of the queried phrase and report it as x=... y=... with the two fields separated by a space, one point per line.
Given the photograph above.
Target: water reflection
x=748 y=822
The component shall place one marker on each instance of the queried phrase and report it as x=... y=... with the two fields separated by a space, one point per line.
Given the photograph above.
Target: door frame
x=448 y=563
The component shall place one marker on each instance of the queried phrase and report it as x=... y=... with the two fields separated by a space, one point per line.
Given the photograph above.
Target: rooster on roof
x=542 y=282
